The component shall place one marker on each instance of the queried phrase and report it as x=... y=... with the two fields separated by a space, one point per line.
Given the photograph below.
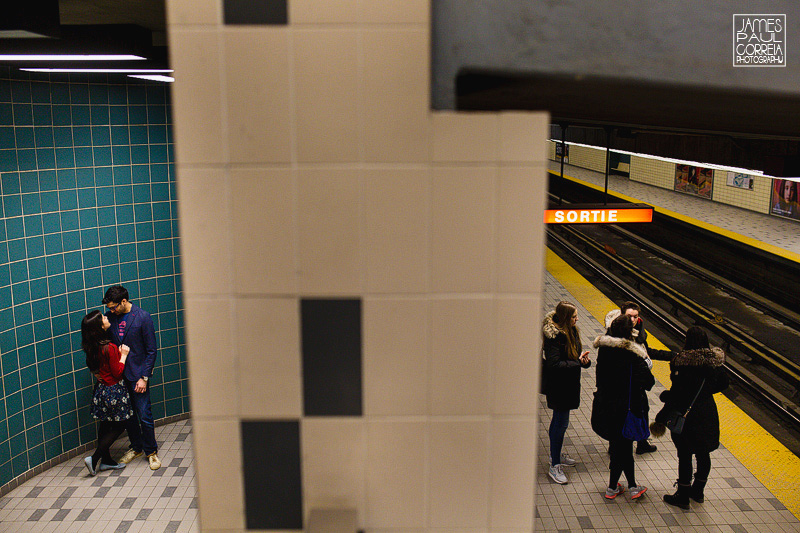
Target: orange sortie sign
x=597 y=216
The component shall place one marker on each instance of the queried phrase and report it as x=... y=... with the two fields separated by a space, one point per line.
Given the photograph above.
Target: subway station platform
x=135 y=499
x=770 y=233
x=753 y=482
x=752 y=486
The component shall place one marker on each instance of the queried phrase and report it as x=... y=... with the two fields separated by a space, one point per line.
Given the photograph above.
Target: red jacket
x=110 y=371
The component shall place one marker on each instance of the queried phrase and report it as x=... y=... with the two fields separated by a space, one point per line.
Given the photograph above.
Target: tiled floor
x=134 y=499
x=779 y=232
x=735 y=500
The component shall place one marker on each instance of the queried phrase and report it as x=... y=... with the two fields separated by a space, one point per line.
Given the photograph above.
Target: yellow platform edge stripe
x=772 y=464
x=786 y=254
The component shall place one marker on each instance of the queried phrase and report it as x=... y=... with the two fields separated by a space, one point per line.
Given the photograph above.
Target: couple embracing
x=121 y=348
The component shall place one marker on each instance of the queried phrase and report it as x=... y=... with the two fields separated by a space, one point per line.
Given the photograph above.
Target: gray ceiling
x=729 y=119
x=85 y=27
x=150 y=14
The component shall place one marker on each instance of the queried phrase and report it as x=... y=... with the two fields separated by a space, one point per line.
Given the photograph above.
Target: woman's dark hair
x=93 y=339
x=621 y=327
x=696 y=338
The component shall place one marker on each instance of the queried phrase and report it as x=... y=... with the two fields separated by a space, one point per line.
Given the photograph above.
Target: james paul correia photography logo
x=759 y=40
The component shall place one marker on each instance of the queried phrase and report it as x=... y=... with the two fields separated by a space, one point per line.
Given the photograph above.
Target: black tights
x=685 y=466
x=621 y=451
x=107 y=433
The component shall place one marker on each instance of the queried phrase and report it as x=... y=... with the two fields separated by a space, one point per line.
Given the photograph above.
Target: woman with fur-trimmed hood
x=639 y=334
x=623 y=376
x=563 y=359
x=698 y=368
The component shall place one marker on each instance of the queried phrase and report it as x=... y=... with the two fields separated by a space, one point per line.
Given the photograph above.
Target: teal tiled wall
x=87 y=195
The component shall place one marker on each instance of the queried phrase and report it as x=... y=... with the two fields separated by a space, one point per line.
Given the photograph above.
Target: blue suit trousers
x=140 y=427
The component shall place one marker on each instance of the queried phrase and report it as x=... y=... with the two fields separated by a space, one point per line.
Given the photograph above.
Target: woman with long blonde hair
x=563 y=360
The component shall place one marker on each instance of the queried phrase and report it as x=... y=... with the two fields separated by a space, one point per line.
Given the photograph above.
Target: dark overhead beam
x=87 y=39
x=599 y=101
x=749 y=129
x=29 y=19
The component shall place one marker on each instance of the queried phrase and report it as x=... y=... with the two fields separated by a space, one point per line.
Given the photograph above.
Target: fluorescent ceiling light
x=69 y=57
x=21 y=34
x=154 y=77
x=102 y=70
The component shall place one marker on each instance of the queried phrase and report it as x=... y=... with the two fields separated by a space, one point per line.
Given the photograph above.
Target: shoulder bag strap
x=695 y=397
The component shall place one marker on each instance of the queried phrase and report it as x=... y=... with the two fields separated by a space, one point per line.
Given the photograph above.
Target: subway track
x=761 y=339
x=772 y=277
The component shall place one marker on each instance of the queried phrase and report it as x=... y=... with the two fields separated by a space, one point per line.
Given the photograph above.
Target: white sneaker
x=566 y=460
x=557 y=475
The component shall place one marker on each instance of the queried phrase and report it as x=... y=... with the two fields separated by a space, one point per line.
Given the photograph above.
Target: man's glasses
x=113 y=307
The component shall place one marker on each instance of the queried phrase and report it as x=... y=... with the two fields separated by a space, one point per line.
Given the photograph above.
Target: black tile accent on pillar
x=273 y=495
x=331 y=347
x=272 y=12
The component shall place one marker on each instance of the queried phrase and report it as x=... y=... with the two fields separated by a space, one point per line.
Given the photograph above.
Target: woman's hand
x=584 y=358
x=124 y=350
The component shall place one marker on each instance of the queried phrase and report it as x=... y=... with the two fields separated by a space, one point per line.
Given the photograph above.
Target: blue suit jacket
x=140 y=337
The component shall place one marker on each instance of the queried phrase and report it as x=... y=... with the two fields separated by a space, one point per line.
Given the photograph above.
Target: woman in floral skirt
x=111 y=404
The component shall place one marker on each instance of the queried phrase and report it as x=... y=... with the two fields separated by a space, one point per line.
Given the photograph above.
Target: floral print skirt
x=111 y=402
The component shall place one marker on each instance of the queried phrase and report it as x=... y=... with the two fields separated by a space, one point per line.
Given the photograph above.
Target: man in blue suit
x=133 y=326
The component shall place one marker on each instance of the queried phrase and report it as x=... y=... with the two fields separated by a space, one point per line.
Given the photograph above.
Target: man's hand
x=141 y=385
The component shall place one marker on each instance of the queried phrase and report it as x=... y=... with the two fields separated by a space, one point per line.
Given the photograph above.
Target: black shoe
x=696 y=492
x=645 y=447
x=680 y=498
x=677 y=500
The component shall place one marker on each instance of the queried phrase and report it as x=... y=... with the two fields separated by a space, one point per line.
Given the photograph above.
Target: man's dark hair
x=621 y=327
x=629 y=305
x=115 y=295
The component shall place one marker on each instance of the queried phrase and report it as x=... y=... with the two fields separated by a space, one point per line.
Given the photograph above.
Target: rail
x=669 y=321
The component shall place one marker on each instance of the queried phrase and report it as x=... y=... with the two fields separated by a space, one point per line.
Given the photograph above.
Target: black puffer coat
x=562 y=375
x=687 y=371
x=620 y=365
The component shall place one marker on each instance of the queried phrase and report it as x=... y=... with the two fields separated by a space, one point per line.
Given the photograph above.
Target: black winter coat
x=562 y=375
x=621 y=367
x=687 y=371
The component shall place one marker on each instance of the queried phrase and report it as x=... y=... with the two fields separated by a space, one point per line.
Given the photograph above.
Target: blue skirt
x=111 y=402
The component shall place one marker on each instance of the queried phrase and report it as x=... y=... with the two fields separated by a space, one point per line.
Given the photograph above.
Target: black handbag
x=635 y=427
x=677 y=420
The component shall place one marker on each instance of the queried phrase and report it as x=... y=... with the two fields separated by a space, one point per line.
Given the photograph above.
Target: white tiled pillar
x=311 y=166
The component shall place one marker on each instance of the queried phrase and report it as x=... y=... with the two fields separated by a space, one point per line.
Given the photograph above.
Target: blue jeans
x=558 y=428
x=141 y=429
